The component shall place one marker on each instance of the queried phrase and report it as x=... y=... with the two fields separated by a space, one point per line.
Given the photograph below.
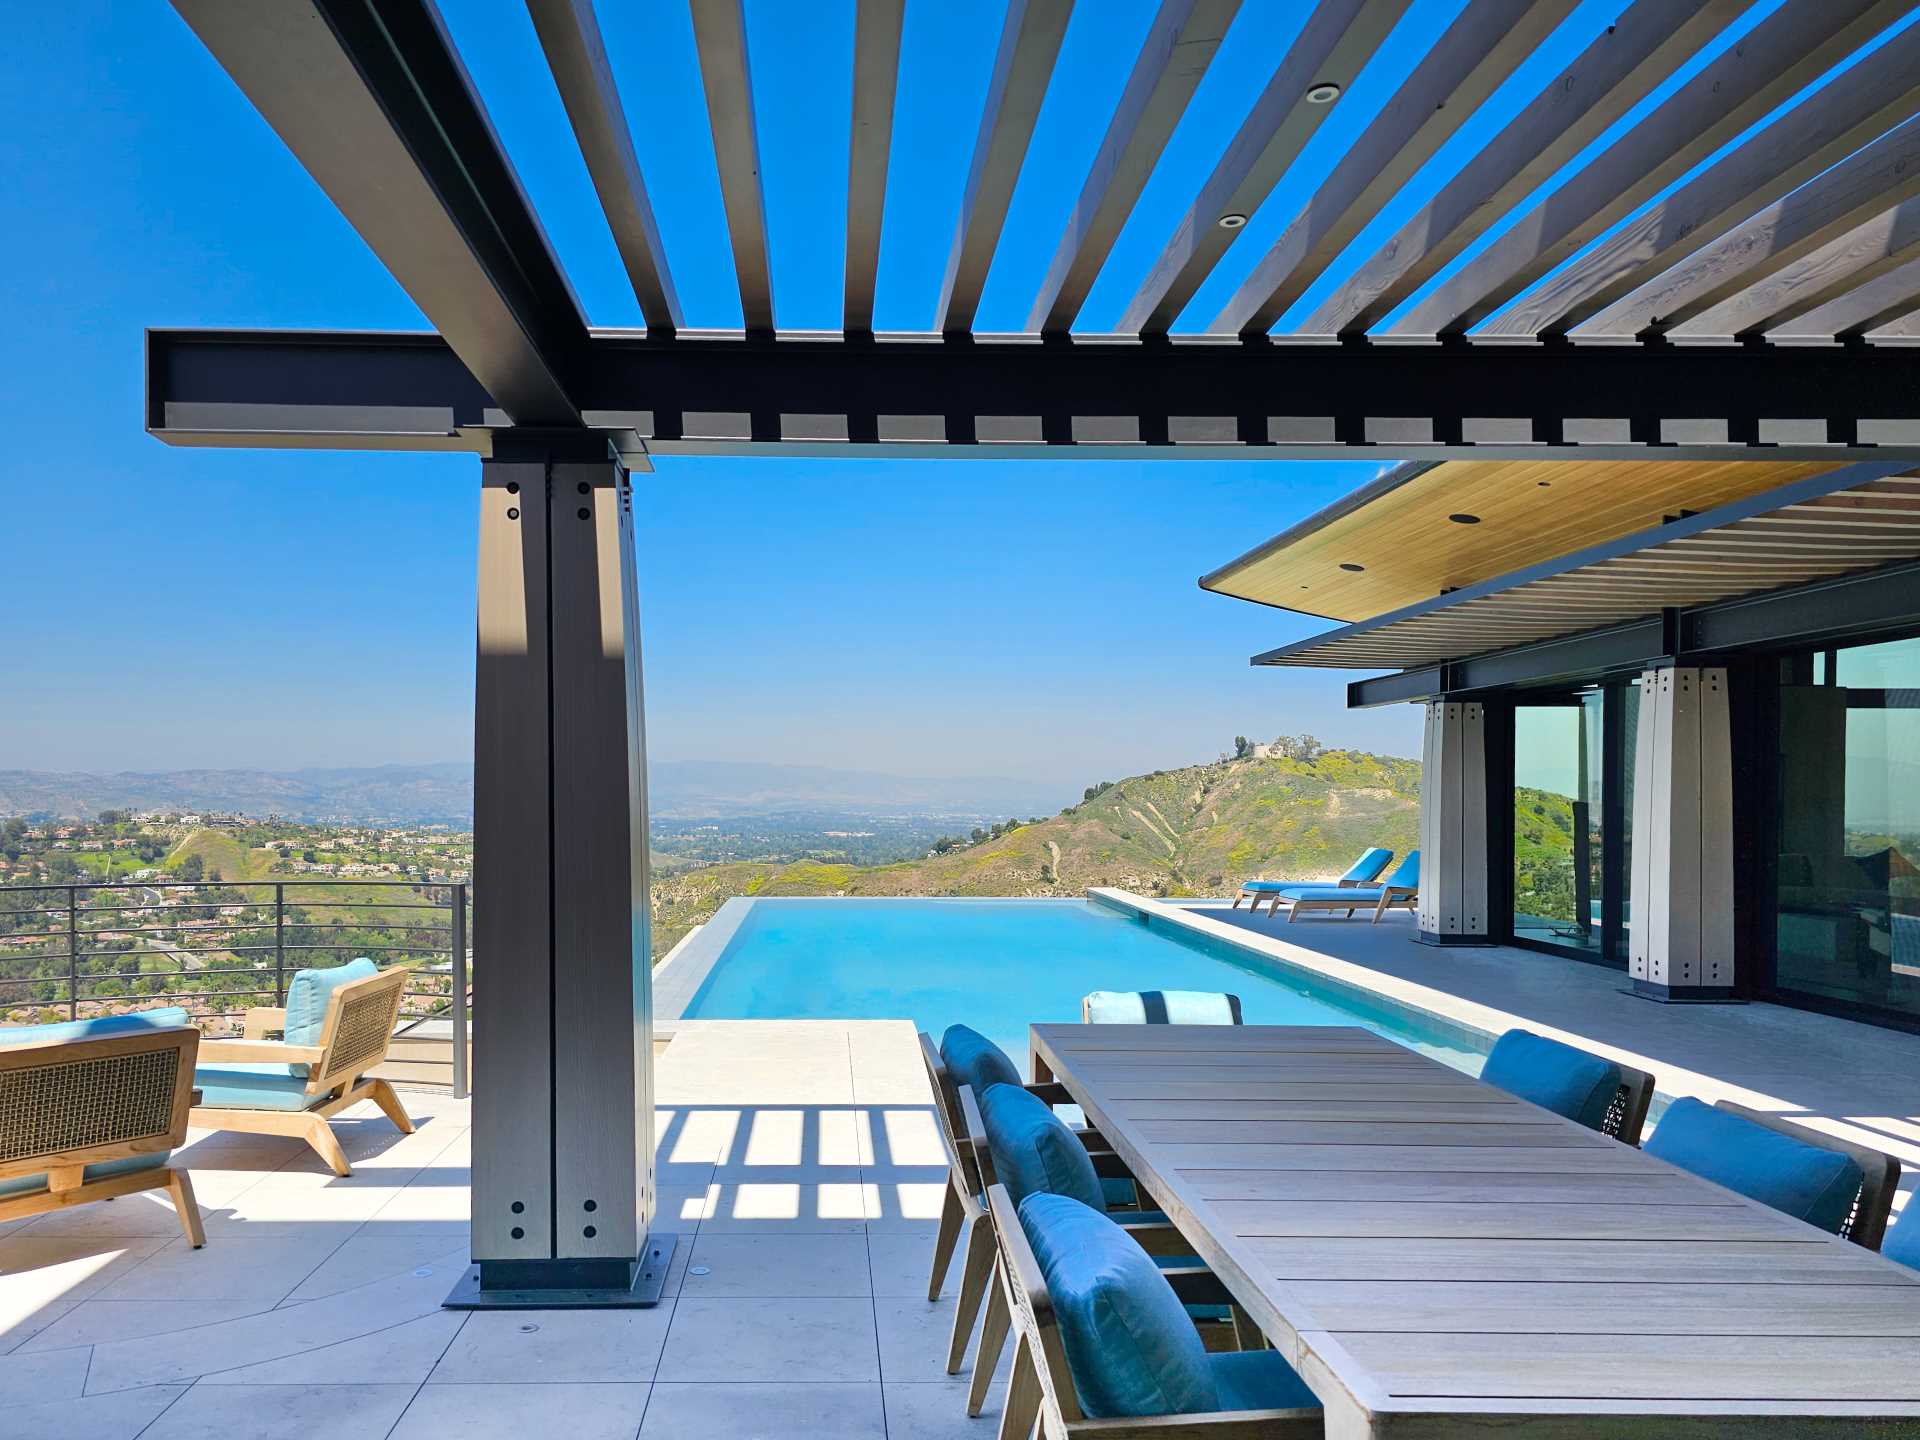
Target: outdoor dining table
x=1438 y=1258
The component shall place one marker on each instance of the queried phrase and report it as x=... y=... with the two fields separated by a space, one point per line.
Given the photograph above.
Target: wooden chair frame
x=1873 y=1206
x=1627 y=1114
x=336 y=1067
x=1391 y=897
x=963 y=1207
x=156 y=1127
x=1041 y=1389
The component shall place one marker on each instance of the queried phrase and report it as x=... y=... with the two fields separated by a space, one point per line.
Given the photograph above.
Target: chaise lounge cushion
x=1805 y=1181
x=1162 y=1007
x=974 y=1060
x=1553 y=1076
x=99 y=1027
x=240 y=1086
x=1130 y=1346
x=308 y=995
x=1033 y=1152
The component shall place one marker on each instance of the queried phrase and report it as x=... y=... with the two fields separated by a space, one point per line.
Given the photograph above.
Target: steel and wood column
x=1681 y=937
x=563 y=1045
x=1453 y=825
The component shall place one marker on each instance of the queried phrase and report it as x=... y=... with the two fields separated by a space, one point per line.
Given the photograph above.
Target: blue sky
x=170 y=607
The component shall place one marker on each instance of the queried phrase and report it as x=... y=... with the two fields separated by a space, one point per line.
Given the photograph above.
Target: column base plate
x=649 y=1283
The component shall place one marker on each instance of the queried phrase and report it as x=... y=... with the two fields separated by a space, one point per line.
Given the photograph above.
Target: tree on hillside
x=192 y=868
x=1242 y=747
x=978 y=834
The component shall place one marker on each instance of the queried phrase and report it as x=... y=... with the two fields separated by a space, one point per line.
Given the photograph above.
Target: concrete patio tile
x=792 y=1202
x=122 y=1416
x=163 y=1358
x=903 y=1135
x=100 y=1322
x=404 y=1354
x=913 y=1340
x=938 y=1411
x=273 y=1412
x=43 y=1375
x=901 y=1259
x=516 y=1412
x=366 y=1256
x=771 y=1340
x=905 y=1199
x=697 y=1136
x=41 y=1278
x=782 y=1264
x=435 y=1201
x=553 y=1346
x=764 y=1412
x=229 y=1268
x=682 y=1209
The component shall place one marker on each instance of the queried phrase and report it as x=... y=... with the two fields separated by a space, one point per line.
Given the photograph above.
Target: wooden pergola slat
x=1180 y=45
x=1485 y=44
x=1870 y=181
x=1844 y=269
x=1029 y=44
x=876 y=76
x=1780 y=55
x=1334 y=45
x=720 y=35
x=1865 y=307
x=1625 y=62
x=1865 y=101
x=570 y=36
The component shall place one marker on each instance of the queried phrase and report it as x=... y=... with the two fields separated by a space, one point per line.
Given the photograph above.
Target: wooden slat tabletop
x=1435 y=1256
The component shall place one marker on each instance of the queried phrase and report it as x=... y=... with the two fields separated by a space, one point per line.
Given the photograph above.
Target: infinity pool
x=999 y=965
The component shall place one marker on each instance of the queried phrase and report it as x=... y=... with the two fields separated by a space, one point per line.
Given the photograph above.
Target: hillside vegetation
x=1200 y=830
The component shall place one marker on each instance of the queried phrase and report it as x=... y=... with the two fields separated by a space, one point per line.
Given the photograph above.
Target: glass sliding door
x=1847 y=929
x=1559 y=809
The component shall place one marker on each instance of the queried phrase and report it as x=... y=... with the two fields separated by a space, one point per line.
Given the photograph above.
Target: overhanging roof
x=1800 y=227
x=1425 y=528
x=1844 y=521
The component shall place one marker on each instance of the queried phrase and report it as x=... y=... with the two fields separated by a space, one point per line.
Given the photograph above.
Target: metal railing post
x=459 y=939
x=73 y=953
x=279 y=945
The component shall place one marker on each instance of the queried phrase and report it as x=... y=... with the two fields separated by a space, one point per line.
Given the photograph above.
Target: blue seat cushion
x=1903 y=1240
x=1033 y=1151
x=1162 y=1007
x=1130 y=1346
x=99 y=1027
x=1266 y=885
x=1553 y=1076
x=99 y=1170
x=1359 y=894
x=974 y=1060
x=1259 y=1380
x=308 y=995
x=238 y=1086
x=1815 y=1185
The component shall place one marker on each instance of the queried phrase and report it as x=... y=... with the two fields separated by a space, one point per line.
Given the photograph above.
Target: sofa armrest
x=270 y=1052
x=260 y=1020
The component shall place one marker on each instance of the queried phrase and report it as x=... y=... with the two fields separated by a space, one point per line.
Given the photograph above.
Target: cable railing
x=216 y=947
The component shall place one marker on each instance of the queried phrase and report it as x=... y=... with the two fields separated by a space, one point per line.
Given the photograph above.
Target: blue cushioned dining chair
x=1601 y=1094
x=1843 y=1188
x=1105 y=1349
x=1160 y=1007
x=1902 y=1242
x=1363 y=871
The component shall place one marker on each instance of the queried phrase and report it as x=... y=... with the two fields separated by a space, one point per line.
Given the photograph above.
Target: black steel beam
x=1397 y=688
x=373 y=101
x=570 y=35
x=696 y=394
x=1874 y=601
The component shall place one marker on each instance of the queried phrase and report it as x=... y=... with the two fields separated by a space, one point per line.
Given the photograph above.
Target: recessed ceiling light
x=1464 y=519
x=1356 y=569
x=1323 y=94
x=1231 y=222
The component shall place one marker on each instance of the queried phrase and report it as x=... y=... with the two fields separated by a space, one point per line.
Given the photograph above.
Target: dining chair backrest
x=948 y=1116
x=1866 y=1222
x=1602 y=1094
x=1902 y=1240
x=1160 y=1007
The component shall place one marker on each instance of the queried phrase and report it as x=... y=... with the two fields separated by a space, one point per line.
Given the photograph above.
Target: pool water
x=1000 y=965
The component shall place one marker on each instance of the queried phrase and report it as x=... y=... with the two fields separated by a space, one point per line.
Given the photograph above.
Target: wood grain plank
x=1421 y=1186
x=1425 y=1091
x=1236 y=1108
x=1499 y=1220
x=1682 y=1263
x=1379 y=1134
x=1172 y=1158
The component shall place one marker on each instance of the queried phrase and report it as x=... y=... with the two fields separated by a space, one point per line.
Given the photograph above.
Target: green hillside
x=1194 y=831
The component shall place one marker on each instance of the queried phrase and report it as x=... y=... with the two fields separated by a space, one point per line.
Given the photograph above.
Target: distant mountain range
x=443 y=793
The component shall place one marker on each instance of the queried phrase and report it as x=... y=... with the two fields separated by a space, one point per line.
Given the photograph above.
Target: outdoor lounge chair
x=1602 y=1095
x=966 y=1057
x=1363 y=871
x=92 y=1109
x=1843 y=1188
x=336 y=1026
x=1160 y=1007
x=1399 y=890
x=1104 y=1349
